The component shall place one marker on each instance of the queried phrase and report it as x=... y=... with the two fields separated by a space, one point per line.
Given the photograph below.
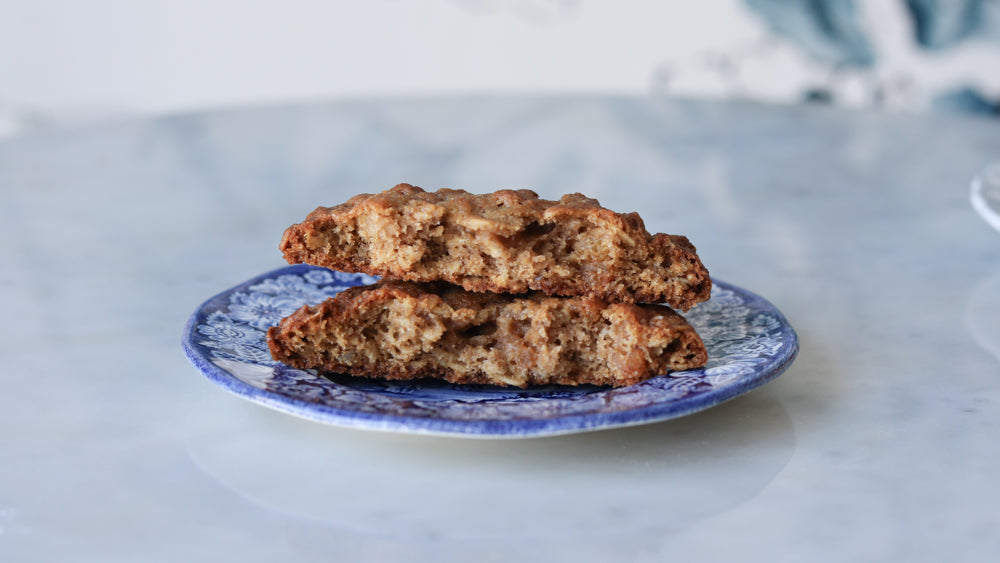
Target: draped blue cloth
x=831 y=31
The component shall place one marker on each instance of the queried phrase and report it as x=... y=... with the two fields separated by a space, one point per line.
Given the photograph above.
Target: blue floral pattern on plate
x=749 y=343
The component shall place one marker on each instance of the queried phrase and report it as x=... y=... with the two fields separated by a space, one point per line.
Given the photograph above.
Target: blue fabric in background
x=966 y=100
x=938 y=24
x=828 y=30
x=831 y=31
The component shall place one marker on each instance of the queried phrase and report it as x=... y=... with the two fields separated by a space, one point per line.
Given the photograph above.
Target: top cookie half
x=504 y=242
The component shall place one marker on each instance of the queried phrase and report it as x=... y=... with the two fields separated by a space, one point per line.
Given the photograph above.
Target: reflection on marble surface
x=661 y=478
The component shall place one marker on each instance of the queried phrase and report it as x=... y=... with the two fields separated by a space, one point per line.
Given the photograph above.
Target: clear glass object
x=985 y=194
x=983 y=309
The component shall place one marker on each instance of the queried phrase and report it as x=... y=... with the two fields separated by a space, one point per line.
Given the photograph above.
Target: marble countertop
x=879 y=443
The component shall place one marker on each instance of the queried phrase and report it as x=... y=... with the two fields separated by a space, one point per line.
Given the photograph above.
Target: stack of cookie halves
x=502 y=288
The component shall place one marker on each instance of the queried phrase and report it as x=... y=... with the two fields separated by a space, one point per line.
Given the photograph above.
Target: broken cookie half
x=403 y=330
x=503 y=242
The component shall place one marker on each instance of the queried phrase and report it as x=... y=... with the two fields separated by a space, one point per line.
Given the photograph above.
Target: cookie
x=503 y=242
x=405 y=330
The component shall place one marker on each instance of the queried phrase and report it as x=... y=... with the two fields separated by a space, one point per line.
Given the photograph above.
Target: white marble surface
x=880 y=442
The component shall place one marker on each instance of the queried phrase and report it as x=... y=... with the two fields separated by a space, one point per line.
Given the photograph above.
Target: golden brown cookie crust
x=404 y=330
x=504 y=242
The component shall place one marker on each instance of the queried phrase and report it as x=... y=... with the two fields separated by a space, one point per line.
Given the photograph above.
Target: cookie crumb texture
x=504 y=242
x=404 y=330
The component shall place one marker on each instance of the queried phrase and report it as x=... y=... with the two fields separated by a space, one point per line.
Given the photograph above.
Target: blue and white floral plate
x=749 y=343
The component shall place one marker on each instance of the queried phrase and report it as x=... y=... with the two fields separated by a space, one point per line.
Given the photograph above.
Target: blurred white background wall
x=66 y=61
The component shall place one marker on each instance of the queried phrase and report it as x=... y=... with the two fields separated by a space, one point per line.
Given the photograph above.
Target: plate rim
x=484 y=428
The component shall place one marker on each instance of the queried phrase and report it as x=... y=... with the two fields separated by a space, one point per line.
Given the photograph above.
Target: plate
x=985 y=195
x=749 y=343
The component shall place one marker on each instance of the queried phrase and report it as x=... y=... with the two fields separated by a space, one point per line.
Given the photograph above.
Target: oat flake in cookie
x=504 y=242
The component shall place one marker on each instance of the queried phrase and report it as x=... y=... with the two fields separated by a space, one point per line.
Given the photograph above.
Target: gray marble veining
x=879 y=443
